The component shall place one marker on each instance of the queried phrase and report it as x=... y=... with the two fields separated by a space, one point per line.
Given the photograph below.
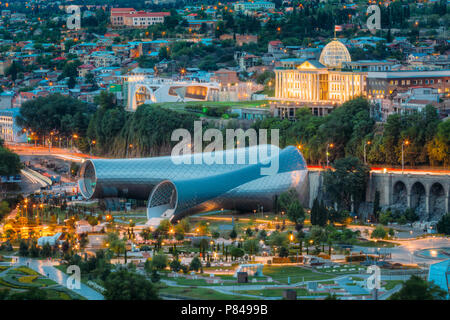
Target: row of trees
x=350 y=129
x=347 y=131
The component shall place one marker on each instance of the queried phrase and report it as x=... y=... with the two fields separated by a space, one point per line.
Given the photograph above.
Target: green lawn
x=377 y=244
x=296 y=274
x=390 y=284
x=202 y=282
x=275 y=292
x=241 y=104
x=198 y=293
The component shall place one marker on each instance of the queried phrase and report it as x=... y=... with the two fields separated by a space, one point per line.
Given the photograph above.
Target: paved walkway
x=46 y=268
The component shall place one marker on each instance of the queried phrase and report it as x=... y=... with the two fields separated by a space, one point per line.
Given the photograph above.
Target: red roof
x=86 y=66
x=111 y=35
x=275 y=42
x=114 y=10
x=148 y=14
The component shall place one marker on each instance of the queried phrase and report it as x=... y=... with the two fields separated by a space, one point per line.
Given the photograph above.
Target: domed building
x=334 y=54
x=319 y=85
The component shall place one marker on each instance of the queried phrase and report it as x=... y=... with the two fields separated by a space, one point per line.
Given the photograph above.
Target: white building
x=142 y=89
x=253 y=5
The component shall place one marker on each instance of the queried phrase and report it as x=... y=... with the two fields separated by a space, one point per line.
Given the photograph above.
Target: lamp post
x=368 y=142
x=329 y=145
x=74 y=136
x=93 y=142
x=404 y=142
x=129 y=146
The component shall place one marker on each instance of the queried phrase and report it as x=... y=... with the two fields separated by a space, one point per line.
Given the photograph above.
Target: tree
x=236 y=252
x=284 y=252
x=262 y=235
x=286 y=198
x=23 y=248
x=116 y=245
x=443 y=226
x=195 y=264
x=64 y=114
x=251 y=246
x=125 y=285
x=155 y=277
x=31 y=294
x=315 y=212
x=175 y=265
x=347 y=183
x=4 y=209
x=376 y=205
x=323 y=215
x=46 y=250
x=233 y=234
x=9 y=163
x=379 y=233
x=416 y=288
x=296 y=213
x=159 y=261
x=278 y=239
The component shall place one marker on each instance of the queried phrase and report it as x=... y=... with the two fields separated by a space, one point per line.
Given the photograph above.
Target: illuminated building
x=143 y=89
x=176 y=187
x=320 y=85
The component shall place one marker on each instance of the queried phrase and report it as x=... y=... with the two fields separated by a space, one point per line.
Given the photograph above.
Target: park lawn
x=390 y=284
x=199 y=293
x=241 y=104
x=376 y=244
x=296 y=274
x=202 y=282
x=276 y=292
x=23 y=270
x=44 y=282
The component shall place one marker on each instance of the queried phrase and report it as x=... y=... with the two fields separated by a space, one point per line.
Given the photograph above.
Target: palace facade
x=320 y=85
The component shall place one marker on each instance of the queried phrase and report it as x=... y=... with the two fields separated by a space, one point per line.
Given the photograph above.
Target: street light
x=368 y=142
x=329 y=145
x=404 y=143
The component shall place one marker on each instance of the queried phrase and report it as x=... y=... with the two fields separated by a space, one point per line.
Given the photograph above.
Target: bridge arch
x=400 y=194
x=437 y=205
x=142 y=93
x=418 y=196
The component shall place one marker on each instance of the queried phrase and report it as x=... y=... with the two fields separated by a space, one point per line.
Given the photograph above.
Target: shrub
x=27 y=279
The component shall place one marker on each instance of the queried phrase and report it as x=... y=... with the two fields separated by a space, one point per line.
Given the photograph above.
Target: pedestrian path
x=46 y=268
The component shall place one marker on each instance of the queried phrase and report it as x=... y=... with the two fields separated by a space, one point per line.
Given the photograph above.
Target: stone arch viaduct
x=427 y=194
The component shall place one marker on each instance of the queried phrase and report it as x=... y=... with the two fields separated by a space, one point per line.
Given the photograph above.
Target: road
x=24 y=149
x=46 y=268
x=27 y=149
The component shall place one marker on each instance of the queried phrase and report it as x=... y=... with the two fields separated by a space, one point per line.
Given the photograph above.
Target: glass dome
x=334 y=54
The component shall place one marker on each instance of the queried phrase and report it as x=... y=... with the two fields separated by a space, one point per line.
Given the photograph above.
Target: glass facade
x=176 y=189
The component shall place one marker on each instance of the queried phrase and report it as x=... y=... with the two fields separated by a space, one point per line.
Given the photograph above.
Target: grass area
x=390 y=284
x=198 y=293
x=346 y=269
x=356 y=278
x=275 y=292
x=202 y=282
x=240 y=104
x=376 y=244
x=296 y=274
x=23 y=270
